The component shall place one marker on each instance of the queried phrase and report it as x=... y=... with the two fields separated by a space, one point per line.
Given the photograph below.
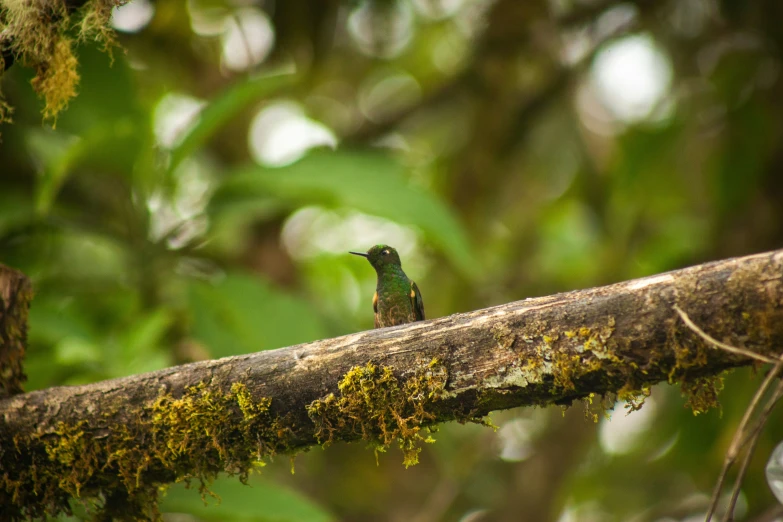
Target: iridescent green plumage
x=397 y=299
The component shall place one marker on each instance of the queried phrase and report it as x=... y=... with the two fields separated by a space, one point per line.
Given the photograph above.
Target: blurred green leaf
x=334 y=281
x=231 y=215
x=569 y=232
x=675 y=239
x=225 y=106
x=42 y=371
x=259 y=501
x=15 y=210
x=108 y=92
x=73 y=350
x=148 y=331
x=143 y=345
x=740 y=162
x=244 y=314
x=371 y=182
x=52 y=150
x=54 y=319
x=60 y=154
x=62 y=340
x=88 y=256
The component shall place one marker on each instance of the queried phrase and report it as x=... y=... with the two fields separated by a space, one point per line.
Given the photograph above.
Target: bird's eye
x=386 y=252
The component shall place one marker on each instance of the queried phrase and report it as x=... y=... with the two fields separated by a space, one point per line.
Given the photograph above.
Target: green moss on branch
x=380 y=408
x=193 y=437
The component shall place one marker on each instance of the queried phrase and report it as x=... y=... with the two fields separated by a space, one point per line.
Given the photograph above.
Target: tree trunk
x=15 y=296
x=119 y=440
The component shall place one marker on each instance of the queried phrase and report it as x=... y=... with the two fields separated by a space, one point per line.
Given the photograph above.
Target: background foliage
x=198 y=198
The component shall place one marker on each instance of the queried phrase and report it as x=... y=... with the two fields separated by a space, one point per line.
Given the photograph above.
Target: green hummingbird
x=397 y=299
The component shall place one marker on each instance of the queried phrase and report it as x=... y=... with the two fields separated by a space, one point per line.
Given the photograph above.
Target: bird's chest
x=394 y=307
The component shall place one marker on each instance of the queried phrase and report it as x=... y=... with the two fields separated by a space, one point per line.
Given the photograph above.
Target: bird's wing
x=375 y=309
x=417 y=302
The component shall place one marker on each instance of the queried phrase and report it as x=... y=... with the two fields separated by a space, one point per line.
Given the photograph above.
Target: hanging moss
x=380 y=408
x=6 y=111
x=94 y=23
x=597 y=406
x=702 y=393
x=634 y=397
x=57 y=78
x=41 y=36
x=116 y=471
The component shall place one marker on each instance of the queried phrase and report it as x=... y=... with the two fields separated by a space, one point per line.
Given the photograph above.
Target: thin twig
x=765 y=412
x=739 y=438
x=752 y=440
x=723 y=346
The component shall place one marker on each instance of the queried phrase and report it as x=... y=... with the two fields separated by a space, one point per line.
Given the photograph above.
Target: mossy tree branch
x=114 y=442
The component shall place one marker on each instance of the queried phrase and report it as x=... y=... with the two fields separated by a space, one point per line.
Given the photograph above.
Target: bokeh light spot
x=313 y=231
x=247 y=39
x=281 y=134
x=382 y=29
x=207 y=18
x=622 y=433
x=133 y=16
x=632 y=77
x=174 y=115
x=437 y=9
x=383 y=96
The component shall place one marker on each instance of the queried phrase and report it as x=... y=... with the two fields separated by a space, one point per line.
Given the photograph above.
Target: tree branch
x=121 y=439
x=723 y=346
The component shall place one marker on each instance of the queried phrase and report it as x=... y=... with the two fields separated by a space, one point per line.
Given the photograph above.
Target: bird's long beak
x=359 y=254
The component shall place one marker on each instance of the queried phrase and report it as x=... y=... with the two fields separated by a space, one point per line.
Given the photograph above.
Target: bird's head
x=381 y=256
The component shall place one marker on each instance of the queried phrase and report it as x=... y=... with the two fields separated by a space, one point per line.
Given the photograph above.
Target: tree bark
x=15 y=295
x=383 y=385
